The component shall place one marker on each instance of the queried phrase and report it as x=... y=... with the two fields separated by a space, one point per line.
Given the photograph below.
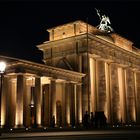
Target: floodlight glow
x=2 y=67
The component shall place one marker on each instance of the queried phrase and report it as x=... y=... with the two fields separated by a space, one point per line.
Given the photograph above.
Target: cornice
x=55 y=43
x=40 y=69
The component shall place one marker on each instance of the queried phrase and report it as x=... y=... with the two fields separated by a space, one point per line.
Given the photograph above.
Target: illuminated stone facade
x=111 y=64
x=32 y=93
x=85 y=70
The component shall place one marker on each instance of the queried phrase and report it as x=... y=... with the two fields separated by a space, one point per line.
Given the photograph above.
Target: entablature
x=93 y=44
x=43 y=70
x=114 y=53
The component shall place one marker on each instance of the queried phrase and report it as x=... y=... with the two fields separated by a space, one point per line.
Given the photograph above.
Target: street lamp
x=2 y=67
x=2 y=70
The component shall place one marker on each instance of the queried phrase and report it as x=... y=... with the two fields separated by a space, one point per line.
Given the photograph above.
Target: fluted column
x=52 y=99
x=64 y=96
x=75 y=105
x=72 y=105
x=45 y=105
x=78 y=103
x=101 y=90
x=109 y=88
x=27 y=101
x=85 y=87
x=11 y=102
x=38 y=101
x=67 y=90
x=4 y=101
x=114 y=95
x=130 y=100
x=122 y=93
x=93 y=85
x=137 y=98
x=19 y=100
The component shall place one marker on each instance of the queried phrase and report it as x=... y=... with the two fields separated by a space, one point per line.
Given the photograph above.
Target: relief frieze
x=115 y=53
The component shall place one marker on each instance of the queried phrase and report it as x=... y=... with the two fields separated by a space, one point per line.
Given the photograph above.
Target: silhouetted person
x=86 y=120
x=104 y=121
x=96 y=120
x=53 y=122
x=92 y=119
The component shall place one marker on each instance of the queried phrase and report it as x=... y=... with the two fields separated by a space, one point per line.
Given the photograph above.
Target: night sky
x=23 y=24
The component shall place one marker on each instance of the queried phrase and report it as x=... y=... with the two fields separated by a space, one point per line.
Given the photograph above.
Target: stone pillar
x=12 y=102
x=122 y=93
x=137 y=97
x=45 y=105
x=67 y=90
x=19 y=100
x=4 y=101
x=72 y=105
x=64 y=96
x=27 y=101
x=38 y=101
x=75 y=105
x=108 y=112
x=78 y=104
x=114 y=95
x=130 y=100
x=101 y=90
x=93 y=85
x=85 y=86
x=10 y=107
x=52 y=100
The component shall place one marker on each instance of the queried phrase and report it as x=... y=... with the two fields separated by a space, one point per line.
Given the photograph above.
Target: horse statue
x=104 y=23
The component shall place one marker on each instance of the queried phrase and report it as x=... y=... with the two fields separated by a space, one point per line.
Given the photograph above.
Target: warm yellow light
x=2 y=67
x=3 y=113
x=134 y=115
x=121 y=113
x=92 y=87
x=38 y=115
x=68 y=116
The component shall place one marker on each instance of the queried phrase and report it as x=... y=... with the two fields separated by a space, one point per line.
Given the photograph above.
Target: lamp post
x=2 y=70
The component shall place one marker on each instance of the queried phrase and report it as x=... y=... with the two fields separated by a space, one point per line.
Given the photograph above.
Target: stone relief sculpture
x=104 y=23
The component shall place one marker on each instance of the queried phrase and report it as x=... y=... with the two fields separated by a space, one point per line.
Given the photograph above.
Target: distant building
x=85 y=70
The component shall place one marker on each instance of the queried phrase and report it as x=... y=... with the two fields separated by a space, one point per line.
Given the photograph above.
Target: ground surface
x=75 y=134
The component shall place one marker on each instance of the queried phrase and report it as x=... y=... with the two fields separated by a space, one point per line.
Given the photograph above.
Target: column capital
x=72 y=82
x=109 y=61
x=134 y=69
x=66 y=82
x=37 y=76
x=94 y=56
x=52 y=79
x=60 y=80
x=79 y=84
x=20 y=73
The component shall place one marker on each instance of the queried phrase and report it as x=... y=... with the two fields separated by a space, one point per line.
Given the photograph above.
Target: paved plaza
x=70 y=132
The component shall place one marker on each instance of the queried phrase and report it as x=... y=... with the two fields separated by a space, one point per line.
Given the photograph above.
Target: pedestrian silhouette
x=92 y=119
x=53 y=121
x=86 y=120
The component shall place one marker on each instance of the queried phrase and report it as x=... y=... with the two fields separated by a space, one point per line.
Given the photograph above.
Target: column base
x=37 y=126
x=19 y=126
